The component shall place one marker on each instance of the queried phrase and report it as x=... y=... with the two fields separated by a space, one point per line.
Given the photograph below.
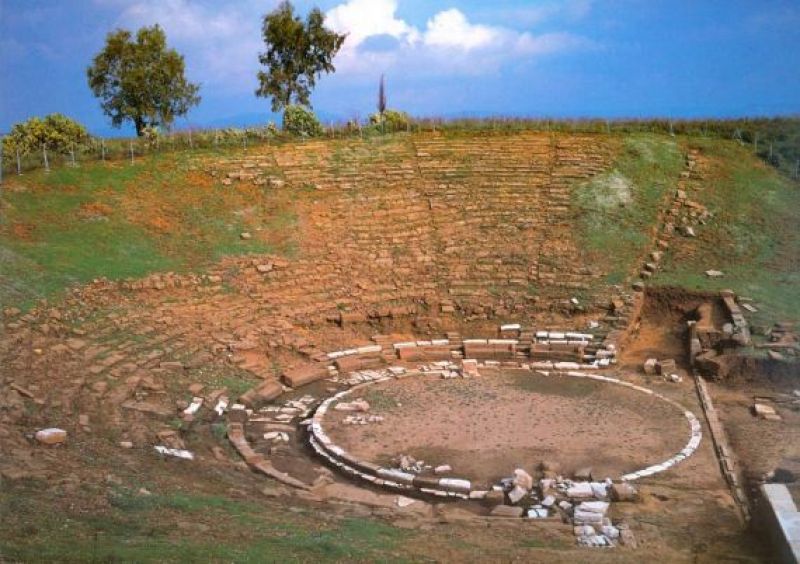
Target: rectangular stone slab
x=304 y=375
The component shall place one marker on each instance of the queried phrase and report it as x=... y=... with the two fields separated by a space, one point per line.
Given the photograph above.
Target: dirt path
x=486 y=427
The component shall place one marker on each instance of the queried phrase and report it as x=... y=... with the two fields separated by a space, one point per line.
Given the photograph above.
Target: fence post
x=130 y=144
x=19 y=164
x=244 y=140
x=756 y=143
x=103 y=150
x=72 y=155
x=46 y=161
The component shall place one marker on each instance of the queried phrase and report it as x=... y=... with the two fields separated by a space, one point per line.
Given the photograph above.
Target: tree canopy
x=141 y=80
x=297 y=54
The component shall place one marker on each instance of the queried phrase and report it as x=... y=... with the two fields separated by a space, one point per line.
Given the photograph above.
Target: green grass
x=47 y=244
x=615 y=210
x=753 y=236
x=142 y=528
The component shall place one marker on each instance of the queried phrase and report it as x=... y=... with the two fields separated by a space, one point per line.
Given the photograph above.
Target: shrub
x=391 y=120
x=299 y=120
x=151 y=135
x=57 y=132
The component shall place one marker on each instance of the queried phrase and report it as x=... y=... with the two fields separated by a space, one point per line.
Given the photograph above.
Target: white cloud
x=361 y=19
x=221 y=40
x=450 y=44
x=548 y=43
x=450 y=28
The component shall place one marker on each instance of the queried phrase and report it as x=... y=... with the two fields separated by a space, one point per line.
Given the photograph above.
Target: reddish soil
x=485 y=427
x=761 y=446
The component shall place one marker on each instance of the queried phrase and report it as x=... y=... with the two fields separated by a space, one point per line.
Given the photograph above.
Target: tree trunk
x=139 y=123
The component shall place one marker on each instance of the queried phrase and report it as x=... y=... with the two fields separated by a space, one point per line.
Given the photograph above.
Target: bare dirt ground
x=487 y=426
x=761 y=446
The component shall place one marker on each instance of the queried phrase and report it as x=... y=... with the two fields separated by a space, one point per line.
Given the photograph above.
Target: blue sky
x=568 y=58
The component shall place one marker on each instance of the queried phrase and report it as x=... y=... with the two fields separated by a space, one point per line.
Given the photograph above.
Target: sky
x=528 y=58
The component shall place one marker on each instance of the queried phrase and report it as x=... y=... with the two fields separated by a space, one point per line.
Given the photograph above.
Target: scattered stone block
x=51 y=436
x=264 y=392
x=522 y=479
x=580 y=490
x=714 y=273
x=304 y=375
x=245 y=236
x=403 y=501
x=610 y=531
x=667 y=366
x=469 y=367
x=355 y=405
x=177 y=453
x=650 y=366
x=538 y=513
x=623 y=492
x=517 y=494
x=583 y=474
x=764 y=411
x=494 y=497
x=507 y=511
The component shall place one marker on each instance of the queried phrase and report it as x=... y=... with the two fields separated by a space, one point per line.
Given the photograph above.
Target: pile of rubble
x=582 y=502
x=783 y=342
x=666 y=368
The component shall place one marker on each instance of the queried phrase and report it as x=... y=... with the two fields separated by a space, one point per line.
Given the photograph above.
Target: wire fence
x=775 y=140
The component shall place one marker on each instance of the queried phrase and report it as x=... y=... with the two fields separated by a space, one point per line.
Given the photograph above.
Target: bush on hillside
x=299 y=120
x=151 y=134
x=57 y=132
x=391 y=120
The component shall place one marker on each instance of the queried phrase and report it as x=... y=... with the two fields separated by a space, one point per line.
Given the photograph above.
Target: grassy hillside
x=616 y=209
x=120 y=220
x=753 y=236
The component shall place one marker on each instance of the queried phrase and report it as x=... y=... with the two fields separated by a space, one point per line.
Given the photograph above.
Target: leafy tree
x=56 y=132
x=141 y=80
x=297 y=54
